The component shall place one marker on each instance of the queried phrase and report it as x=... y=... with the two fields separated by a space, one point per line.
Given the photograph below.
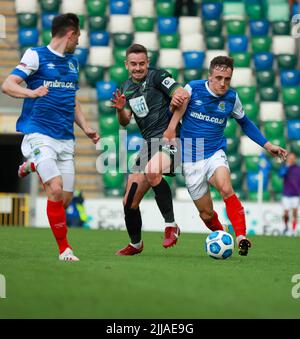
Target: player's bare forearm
x=178 y=112
x=79 y=117
x=12 y=87
x=124 y=116
x=82 y=123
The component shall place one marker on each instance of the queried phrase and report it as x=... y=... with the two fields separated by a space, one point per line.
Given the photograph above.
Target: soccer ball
x=219 y=245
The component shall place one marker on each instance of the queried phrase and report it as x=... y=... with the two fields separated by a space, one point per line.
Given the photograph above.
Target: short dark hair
x=62 y=23
x=136 y=48
x=221 y=62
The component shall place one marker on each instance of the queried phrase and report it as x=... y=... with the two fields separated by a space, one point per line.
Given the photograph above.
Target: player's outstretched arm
x=12 y=87
x=119 y=102
x=82 y=123
x=254 y=134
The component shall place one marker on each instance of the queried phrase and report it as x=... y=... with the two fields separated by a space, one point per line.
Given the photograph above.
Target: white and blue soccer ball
x=219 y=245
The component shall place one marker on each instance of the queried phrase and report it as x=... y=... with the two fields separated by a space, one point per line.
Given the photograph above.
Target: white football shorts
x=51 y=158
x=197 y=174
x=290 y=202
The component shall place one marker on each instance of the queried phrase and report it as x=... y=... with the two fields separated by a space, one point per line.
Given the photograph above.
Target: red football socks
x=57 y=219
x=236 y=215
x=294 y=225
x=214 y=224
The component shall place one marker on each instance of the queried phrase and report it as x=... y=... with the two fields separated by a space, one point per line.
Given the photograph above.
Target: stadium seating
x=271 y=111
x=211 y=11
x=28 y=6
x=286 y=61
x=97 y=23
x=293 y=129
x=27 y=20
x=142 y=8
x=254 y=10
x=246 y=93
x=263 y=61
x=235 y=27
x=292 y=112
x=212 y=27
x=47 y=20
x=119 y=6
x=241 y=59
x=290 y=78
x=193 y=60
x=165 y=8
x=265 y=77
x=49 y=6
x=28 y=36
x=242 y=76
x=189 y=25
x=167 y=25
x=259 y=27
x=105 y=89
x=215 y=42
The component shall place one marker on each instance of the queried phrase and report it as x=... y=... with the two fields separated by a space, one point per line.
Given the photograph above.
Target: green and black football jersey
x=149 y=101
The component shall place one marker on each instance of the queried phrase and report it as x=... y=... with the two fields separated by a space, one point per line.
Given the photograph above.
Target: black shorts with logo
x=150 y=148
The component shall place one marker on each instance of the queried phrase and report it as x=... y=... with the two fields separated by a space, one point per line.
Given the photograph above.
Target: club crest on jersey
x=50 y=65
x=221 y=106
x=139 y=106
x=72 y=67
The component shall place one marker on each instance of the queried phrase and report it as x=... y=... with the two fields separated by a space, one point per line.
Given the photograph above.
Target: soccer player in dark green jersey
x=147 y=95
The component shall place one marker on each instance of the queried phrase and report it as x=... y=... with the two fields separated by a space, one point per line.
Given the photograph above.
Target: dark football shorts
x=150 y=148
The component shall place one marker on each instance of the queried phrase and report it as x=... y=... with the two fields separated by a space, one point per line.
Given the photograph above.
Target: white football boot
x=67 y=255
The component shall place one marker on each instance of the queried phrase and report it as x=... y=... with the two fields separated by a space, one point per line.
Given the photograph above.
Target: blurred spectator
x=179 y=4
x=291 y=190
x=76 y=215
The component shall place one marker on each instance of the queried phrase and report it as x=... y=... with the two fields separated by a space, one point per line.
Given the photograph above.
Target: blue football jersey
x=203 y=124
x=54 y=113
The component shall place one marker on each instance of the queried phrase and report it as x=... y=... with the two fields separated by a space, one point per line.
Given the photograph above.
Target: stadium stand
x=256 y=33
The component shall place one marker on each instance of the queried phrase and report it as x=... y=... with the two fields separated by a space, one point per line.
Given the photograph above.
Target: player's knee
x=55 y=189
x=206 y=216
x=226 y=190
x=153 y=178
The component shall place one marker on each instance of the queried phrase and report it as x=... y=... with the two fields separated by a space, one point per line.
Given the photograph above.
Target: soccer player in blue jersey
x=211 y=103
x=47 y=119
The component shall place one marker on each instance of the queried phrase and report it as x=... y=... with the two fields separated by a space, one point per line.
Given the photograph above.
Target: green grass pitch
x=177 y=283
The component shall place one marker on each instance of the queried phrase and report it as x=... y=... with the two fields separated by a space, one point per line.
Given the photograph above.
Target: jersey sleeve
x=163 y=81
x=28 y=64
x=189 y=89
x=238 y=112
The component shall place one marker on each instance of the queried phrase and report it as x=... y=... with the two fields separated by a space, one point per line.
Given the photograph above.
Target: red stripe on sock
x=214 y=224
x=57 y=220
x=236 y=215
